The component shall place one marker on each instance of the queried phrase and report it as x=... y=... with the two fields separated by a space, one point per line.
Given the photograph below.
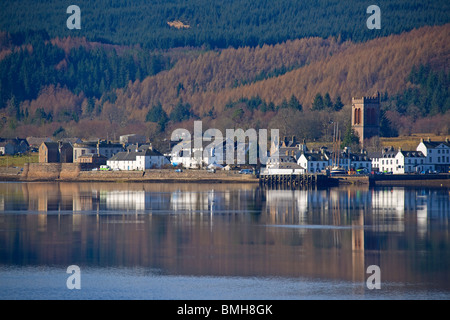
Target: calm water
x=219 y=241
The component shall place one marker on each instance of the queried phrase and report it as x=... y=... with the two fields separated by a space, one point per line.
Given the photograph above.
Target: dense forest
x=273 y=65
x=218 y=23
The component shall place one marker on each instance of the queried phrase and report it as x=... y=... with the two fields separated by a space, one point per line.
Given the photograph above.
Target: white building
x=202 y=153
x=314 y=162
x=137 y=160
x=283 y=165
x=401 y=162
x=410 y=162
x=437 y=153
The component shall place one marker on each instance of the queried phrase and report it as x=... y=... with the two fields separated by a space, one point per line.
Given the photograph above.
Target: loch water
x=222 y=241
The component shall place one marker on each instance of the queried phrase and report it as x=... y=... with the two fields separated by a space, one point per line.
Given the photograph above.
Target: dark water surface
x=222 y=241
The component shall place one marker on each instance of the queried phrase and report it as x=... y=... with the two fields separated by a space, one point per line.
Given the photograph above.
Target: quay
x=299 y=181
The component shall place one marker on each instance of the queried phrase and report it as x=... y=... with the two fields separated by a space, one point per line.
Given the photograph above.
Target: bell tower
x=366 y=117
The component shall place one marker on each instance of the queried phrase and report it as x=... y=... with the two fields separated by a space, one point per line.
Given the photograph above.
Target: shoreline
x=73 y=173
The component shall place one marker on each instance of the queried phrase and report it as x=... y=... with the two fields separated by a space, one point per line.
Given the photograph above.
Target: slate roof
x=434 y=144
x=412 y=154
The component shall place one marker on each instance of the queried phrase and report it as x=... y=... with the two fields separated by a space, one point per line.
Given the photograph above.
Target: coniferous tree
x=318 y=102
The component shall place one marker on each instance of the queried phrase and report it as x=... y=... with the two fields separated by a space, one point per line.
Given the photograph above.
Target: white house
x=437 y=153
x=384 y=161
x=137 y=160
x=401 y=161
x=410 y=162
x=284 y=164
x=150 y=159
x=314 y=162
x=202 y=153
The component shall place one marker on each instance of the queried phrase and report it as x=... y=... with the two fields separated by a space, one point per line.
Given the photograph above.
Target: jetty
x=298 y=181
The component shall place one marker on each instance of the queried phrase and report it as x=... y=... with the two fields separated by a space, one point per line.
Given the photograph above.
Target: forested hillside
x=151 y=67
x=218 y=23
x=296 y=86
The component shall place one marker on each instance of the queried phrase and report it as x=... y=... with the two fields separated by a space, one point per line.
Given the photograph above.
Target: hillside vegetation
x=74 y=87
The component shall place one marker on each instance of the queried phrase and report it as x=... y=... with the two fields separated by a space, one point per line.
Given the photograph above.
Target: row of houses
x=285 y=156
x=118 y=156
x=293 y=157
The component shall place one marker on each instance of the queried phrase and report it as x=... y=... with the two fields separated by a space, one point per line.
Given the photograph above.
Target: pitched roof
x=37 y=141
x=124 y=156
x=434 y=144
x=412 y=154
x=51 y=145
x=313 y=156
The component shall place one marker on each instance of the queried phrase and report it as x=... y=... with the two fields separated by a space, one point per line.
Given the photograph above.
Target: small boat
x=337 y=170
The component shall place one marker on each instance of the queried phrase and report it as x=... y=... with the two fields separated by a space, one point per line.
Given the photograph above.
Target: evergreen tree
x=294 y=103
x=158 y=115
x=338 y=105
x=318 y=102
x=327 y=103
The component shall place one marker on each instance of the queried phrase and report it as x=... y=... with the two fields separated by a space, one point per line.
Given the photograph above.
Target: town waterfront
x=222 y=241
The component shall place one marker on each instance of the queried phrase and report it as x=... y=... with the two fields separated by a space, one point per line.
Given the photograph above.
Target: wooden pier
x=297 y=181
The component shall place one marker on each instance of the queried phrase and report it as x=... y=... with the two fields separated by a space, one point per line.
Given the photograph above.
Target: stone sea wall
x=77 y=172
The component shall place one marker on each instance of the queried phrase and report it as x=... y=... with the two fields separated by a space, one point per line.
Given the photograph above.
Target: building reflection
x=218 y=229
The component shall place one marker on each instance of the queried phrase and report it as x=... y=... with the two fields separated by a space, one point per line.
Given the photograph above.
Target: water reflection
x=230 y=230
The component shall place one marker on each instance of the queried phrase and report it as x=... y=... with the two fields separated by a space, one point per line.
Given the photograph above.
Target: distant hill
x=218 y=23
x=318 y=66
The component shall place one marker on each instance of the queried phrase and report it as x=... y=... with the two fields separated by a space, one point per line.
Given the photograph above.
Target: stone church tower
x=366 y=117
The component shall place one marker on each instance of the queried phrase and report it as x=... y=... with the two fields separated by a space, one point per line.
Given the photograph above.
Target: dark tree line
x=429 y=94
x=218 y=23
x=23 y=74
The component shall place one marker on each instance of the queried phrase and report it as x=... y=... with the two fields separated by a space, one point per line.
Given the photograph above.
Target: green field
x=18 y=161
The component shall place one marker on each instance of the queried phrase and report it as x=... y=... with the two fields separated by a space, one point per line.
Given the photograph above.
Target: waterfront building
x=437 y=153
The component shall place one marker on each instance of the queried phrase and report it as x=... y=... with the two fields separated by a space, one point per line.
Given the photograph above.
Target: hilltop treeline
x=218 y=23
